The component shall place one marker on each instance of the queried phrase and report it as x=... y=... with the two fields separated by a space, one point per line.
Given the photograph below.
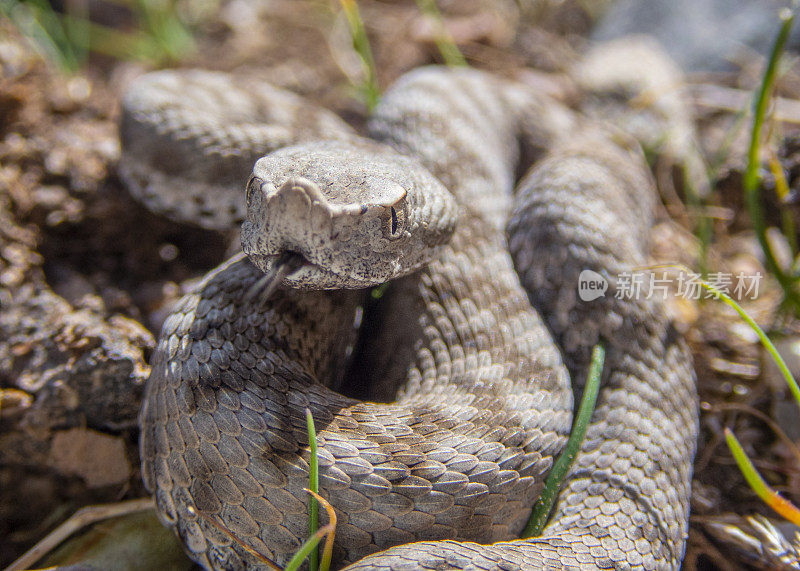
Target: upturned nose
x=297 y=214
x=297 y=194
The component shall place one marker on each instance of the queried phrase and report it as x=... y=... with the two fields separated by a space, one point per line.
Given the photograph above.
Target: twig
x=80 y=519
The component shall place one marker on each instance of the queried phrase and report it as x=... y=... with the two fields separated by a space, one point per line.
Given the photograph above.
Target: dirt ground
x=87 y=275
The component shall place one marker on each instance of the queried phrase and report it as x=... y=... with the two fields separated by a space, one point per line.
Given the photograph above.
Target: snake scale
x=476 y=396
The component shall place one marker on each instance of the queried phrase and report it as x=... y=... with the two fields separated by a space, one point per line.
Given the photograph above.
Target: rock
x=71 y=375
x=81 y=368
x=701 y=35
x=98 y=459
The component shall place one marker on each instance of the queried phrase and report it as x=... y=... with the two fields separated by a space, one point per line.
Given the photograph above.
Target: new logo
x=591 y=285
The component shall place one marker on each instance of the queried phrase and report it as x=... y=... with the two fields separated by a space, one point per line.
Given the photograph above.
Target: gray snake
x=480 y=395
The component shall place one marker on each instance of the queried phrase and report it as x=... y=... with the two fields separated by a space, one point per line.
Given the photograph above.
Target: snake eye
x=394 y=222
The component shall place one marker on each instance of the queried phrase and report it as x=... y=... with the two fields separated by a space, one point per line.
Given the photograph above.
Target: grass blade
x=305 y=550
x=66 y=39
x=313 y=507
x=751 y=175
x=76 y=28
x=451 y=55
x=541 y=510
x=769 y=496
x=44 y=32
x=369 y=88
x=171 y=38
x=327 y=552
x=765 y=341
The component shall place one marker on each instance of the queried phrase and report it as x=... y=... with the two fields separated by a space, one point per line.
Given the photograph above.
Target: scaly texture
x=483 y=401
x=188 y=130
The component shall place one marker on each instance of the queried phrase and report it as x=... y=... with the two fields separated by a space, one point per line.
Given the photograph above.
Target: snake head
x=357 y=214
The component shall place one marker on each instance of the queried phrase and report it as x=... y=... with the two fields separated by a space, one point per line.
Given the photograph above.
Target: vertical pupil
x=394 y=220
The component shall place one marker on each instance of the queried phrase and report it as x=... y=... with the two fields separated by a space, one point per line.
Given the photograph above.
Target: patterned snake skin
x=480 y=395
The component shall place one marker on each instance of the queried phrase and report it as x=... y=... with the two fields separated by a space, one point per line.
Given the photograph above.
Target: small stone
x=98 y=459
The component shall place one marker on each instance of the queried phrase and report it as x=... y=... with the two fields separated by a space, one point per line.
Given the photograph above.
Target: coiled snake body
x=481 y=401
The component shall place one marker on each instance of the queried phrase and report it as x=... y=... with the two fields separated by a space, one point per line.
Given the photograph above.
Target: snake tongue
x=286 y=264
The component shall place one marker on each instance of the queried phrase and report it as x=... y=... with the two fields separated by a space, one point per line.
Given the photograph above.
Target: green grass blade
x=327 y=552
x=43 y=30
x=66 y=39
x=77 y=30
x=754 y=479
x=57 y=30
x=751 y=181
x=308 y=547
x=541 y=510
x=769 y=496
x=114 y=43
x=369 y=88
x=313 y=505
x=165 y=29
x=451 y=55
x=765 y=340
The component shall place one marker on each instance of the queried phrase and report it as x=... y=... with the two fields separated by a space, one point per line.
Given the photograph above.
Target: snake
x=474 y=206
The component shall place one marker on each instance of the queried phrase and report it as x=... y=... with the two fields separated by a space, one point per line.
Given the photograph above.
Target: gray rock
x=701 y=35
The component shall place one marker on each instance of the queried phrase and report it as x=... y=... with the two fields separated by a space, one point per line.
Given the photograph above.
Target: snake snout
x=292 y=216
